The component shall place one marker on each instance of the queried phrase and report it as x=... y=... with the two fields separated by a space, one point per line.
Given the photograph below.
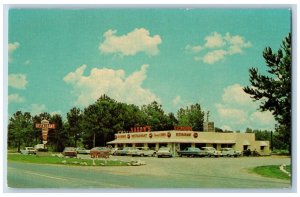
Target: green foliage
x=191 y=116
x=274 y=90
x=156 y=117
x=74 y=124
x=20 y=130
x=280 y=152
x=59 y=160
x=272 y=171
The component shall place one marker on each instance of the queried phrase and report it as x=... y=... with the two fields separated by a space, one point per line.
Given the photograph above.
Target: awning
x=246 y=143
x=262 y=143
x=197 y=141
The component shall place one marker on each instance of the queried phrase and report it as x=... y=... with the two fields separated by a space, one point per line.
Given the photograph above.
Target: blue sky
x=59 y=59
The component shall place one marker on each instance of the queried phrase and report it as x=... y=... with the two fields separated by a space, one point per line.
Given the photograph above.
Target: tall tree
x=155 y=116
x=191 y=116
x=58 y=137
x=274 y=90
x=20 y=130
x=74 y=117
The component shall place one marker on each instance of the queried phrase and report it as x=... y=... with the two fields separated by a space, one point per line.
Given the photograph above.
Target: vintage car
x=210 y=152
x=28 y=151
x=190 y=152
x=164 y=152
x=69 y=152
x=230 y=152
x=142 y=151
x=100 y=152
x=123 y=151
x=81 y=150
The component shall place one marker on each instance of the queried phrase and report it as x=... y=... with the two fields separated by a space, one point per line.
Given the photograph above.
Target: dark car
x=97 y=152
x=190 y=152
x=70 y=152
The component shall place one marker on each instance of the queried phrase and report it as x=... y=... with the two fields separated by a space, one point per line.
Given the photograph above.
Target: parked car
x=190 y=152
x=123 y=151
x=97 y=152
x=143 y=151
x=113 y=150
x=164 y=152
x=210 y=152
x=40 y=147
x=230 y=152
x=81 y=150
x=28 y=151
x=70 y=152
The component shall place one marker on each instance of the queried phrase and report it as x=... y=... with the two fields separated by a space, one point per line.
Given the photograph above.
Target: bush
x=280 y=152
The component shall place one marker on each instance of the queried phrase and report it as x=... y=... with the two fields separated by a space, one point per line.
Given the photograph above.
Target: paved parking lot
x=220 y=172
x=158 y=173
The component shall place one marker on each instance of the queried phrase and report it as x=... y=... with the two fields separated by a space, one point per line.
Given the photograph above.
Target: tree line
x=98 y=123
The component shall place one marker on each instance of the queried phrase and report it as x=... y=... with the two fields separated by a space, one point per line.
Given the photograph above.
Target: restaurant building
x=182 y=137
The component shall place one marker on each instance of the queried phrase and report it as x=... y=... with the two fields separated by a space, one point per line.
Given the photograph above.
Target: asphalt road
x=157 y=173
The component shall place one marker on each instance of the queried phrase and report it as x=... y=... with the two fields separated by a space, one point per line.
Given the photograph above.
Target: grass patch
x=272 y=171
x=63 y=161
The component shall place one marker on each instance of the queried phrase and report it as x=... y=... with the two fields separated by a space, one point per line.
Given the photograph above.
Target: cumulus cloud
x=237 y=110
x=214 y=56
x=216 y=47
x=215 y=40
x=35 y=109
x=236 y=116
x=11 y=48
x=15 y=98
x=139 y=40
x=18 y=81
x=235 y=94
x=113 y=83
x=193 y=49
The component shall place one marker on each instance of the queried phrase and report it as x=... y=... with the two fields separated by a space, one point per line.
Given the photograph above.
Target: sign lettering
x=183 y=134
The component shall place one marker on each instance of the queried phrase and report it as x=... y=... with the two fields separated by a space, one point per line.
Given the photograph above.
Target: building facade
x=180 y=138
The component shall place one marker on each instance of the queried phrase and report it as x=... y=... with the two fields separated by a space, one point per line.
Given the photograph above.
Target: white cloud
x=214 y=56
x=176 y=100
x=139 y=40
x=15 y=98
x=18 y=81
x=238 y=111
x=226 y=128
x=35 y=109
x=112 y=83
x=263 y=118
x=11 y=48
x=217 y=47
x=236 y=116
x=215 y=40
x=59 y=112
x=193 y=49
x=235 y=94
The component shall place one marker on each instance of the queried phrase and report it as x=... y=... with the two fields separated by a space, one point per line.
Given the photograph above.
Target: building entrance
x=184 y=145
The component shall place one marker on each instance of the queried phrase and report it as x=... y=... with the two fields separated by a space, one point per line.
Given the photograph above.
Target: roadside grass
x=46 y=159
x=272 y=171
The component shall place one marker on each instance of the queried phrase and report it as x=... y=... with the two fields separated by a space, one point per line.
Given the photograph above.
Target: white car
x=164 y=152
x=210 y=152
x=143 y=151
x=230 y=152
x=28 y=151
